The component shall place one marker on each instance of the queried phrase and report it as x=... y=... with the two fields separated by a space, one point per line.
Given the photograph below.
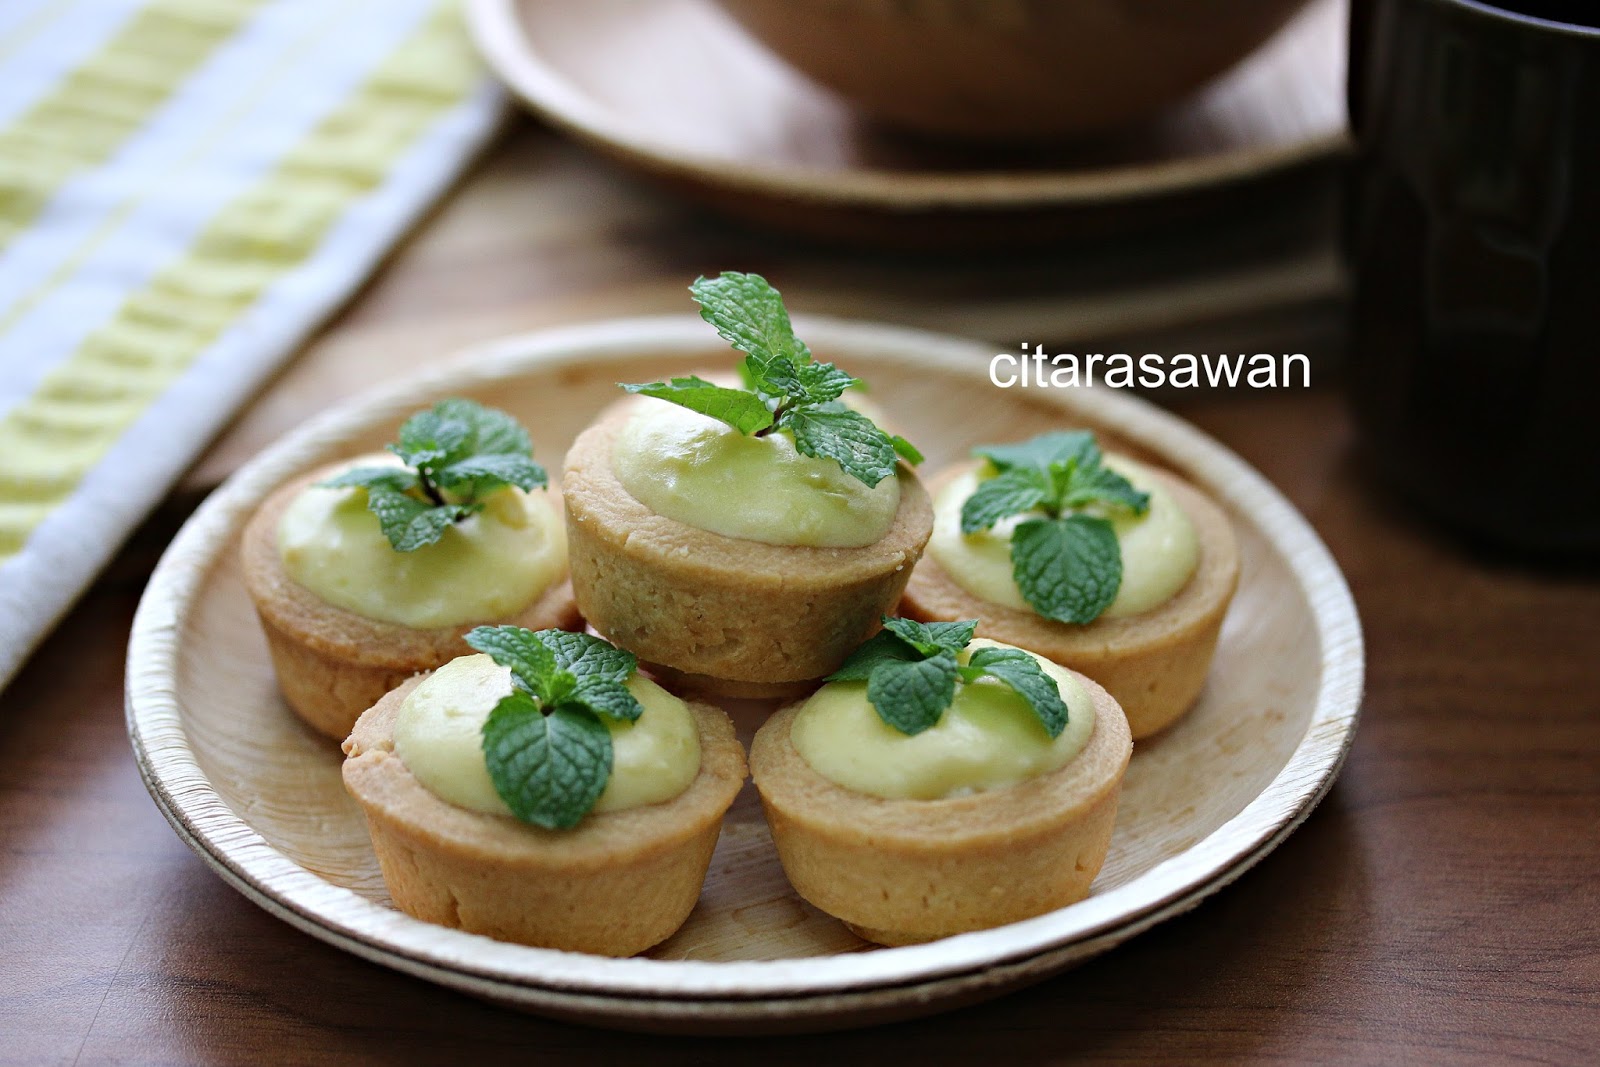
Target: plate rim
x=497 y=34
x=186 y=797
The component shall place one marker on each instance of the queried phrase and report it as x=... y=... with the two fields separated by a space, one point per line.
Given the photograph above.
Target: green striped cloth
x=187 y=187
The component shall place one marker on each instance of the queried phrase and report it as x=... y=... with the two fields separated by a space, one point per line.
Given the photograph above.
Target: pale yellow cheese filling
x=438 y=735
x=988 y=738
x=704 y=473
x=1159 y=549
x=487 y=566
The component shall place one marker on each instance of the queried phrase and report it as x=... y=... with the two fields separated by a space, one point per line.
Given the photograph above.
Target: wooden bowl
x=1010 y=69
x=258 y=795
x=676 y=90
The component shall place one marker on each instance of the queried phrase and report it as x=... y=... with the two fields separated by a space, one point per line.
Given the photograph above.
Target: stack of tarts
x=520 y=673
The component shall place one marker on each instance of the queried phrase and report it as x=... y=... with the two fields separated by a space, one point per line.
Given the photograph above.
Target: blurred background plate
x=677 y=90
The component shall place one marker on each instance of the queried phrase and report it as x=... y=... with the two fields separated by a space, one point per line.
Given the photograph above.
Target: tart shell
x=1154 y=663
x=900 y=872
x=616 y=884
x=726 y=615
x=333 y=664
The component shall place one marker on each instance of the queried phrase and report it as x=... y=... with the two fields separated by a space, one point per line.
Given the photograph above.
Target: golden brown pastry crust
x=903 y=871
x=333 y=664
x=727 y=610
x=1154 y=663
x=615 y=884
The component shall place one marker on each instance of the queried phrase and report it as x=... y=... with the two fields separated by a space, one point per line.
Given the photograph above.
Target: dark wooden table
x=1440 y=907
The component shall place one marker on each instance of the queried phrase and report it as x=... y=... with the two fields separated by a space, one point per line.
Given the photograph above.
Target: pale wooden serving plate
x=677 y=90
x=259 y=797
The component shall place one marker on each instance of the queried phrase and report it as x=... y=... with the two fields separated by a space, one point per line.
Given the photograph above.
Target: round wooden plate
x=259 y=796
x=677 y=90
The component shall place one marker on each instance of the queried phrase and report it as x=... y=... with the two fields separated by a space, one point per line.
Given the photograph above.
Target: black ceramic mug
x=1472 y=231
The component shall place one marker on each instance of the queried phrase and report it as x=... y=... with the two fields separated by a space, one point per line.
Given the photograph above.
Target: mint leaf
x=408 y=523
x=548 y=768
x=933 y=637
x=1022 y=673
x=881 y=647
x=848 y=438
x=605 y=697
x=494 y=453
x=911 y=673
x=1012 y=492
x=1068 y=566
x=587 y=657
x=989 y=654
x=747 y=375
x=482 y=474
x=530 y=659
x=1043 y=452
x=1095 y=485
x=556 y=768
x=784 y=388
x=1067 y=569
x=910 y=696
x=824 y=382
x=913 y=633
x=742 y=410
x=904 y=640
x=910 y=670
x=905 y=450
x=491 y=431
x=1067 y=466
x=456 y=446
x=394 y=479
x=952 y=637
x=749 y=314
x=558 y=665
x=807 y=383
x=432 y=436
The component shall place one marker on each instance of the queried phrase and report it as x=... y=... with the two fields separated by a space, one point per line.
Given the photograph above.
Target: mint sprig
x=911 y=670
x=456 y=454
x=1067 y=565
x=547 y=746
x=785 y=389
x=739 y=408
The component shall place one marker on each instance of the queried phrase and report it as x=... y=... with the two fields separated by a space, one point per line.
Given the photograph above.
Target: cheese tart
x=352 y=603
x=742 y=540
x=521 y=849
x=980 y=819
x=1151 y=641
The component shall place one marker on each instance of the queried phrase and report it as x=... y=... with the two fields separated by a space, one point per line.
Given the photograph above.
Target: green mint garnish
x=743 y=410
x=911 y=671
x=1067 y=565
x=785 y=389
x=905 y=449
x=456 y=453
x=546 y=745
x=1022 y=672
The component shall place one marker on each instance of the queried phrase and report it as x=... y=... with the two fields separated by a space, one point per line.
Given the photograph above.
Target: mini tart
x=616 y=884
x=1154 y=663
x=333 y=664
x=900 y=872
x=719 y=614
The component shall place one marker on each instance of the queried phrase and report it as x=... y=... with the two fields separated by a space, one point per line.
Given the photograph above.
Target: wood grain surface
x=1439 y=907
